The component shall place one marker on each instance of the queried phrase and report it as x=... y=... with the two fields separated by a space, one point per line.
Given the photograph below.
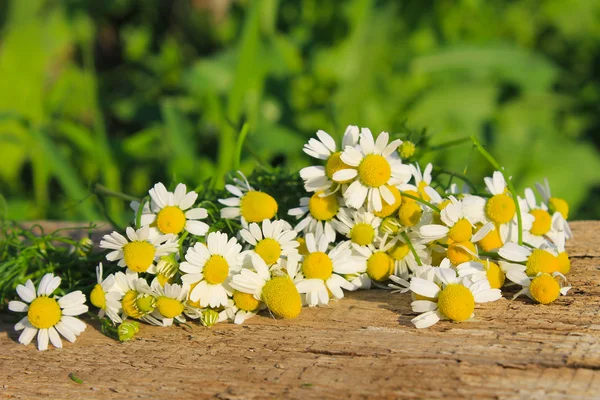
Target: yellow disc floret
x=541 y=261
x=145 y=303
x=374 y=170
x=399 y=251
x=362 y=234
x=544 y=289
x=335 y=164
x=97 y=297
x=245 y=301
x=491 y=241
x=495 y=275
x=542 y=223
x=269 y=250
x=380 y=266
x=257 y=206
x=317 y=265
x=129 y=305
x=462 y=231
x=44 y=312
x=170 y=219
x=282 y=297
x=461 y=252
x=409 y=214
x=323 y=208
x=407 y=149
x=168 y=307
x=559 y=205
x=564 y=264
x=216 y=270
x=500 y=208
x=138 y=255
x=456 y=302
x=389 y=209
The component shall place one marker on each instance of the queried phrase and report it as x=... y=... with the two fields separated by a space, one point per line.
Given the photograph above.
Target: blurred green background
x=126 y=93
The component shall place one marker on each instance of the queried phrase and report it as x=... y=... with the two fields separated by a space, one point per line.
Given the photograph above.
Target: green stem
x=240 y=145
x=181 y=255
x=412 y=248
x=104 y=191
x=509 y=183
x=140 y=211
x=420 y=200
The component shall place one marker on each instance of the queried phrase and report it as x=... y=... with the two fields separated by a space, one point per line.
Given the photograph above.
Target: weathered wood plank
x=360 y=347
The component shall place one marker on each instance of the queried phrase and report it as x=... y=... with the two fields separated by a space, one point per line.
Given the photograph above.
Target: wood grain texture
x=360 y=347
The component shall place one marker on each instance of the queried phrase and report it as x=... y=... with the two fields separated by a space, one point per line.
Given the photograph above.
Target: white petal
x=17 y=306
x=426 y=320
x=424 y=287
x=54 y=338
x=422 y=306
x=327 y=140
x=25 y=292
x=345 y=175
x=42 y=339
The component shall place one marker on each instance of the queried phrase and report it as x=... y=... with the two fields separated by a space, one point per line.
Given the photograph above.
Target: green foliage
x=126 y=93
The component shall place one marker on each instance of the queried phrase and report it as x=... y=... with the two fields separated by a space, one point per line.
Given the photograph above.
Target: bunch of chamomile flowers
x=367 y=220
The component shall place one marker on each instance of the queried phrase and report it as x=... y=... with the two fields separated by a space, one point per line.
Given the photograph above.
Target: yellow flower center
x=216 y=270
x=542 y=223
x=138 y=255
x=245 y=301
x=564 y=264
x=97 y=297
x=500 y=208
x=409 y=214
x=399 y=251
x=269 y=249
x=335 y=164
x=168 y=307
x=257 y=206
x=406 y=149
x=559 y=205
x=458 y=255
x=282 y=297
x=44 y=312
x=302 y=249
x=541 y=261
x=462 y=231
x=317 y=265
x=491 y=241
x=456 y=302
x=495 y=275
x=422 y=193
x=374 y=170
x=544 y=289
x=145 y=303
x=129 y=305
x=389 y=209
x=323 y=208
x=170 y=219
x=362 y=234
x=380 y=266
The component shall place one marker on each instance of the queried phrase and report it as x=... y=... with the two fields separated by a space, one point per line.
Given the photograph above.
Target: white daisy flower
x=360 y=226
x=48 y=316
x=543 y=288
x=140 y=249
x=105 y=298
x=317 y=214
x=376 y=262
x=322 y=269
x=533 y=261
x=272 y=241
x=136 y=302
x=258 y=286
x=209 y=267
x=319 y=178
x=248 y=205
x=454 y=299
x=171 y=303
x=371 y=168
x=171 y=212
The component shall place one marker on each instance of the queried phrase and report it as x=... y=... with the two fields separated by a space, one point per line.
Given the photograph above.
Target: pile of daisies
x=368 y=220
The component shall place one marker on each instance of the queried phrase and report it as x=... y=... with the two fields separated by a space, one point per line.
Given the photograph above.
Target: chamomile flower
x=248 y=205
x=533 y=261
x=543 y=288
x=270 y=240
x=140 y=249
x=48 y=316
x=482 y=270
x=170 y=302
x=322 y=269
x=404 y=259
x=172 y=212
x=105 y=298
x=136 y=298
x=259 y=285
x=453 y=298
x=372 y=167
x=360 y=226
x=377 y=263
x=209 y=268
x=319 y=178
x=317 y=214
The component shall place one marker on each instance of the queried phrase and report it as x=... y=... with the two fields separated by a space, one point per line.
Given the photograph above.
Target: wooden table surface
x=363 y=346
